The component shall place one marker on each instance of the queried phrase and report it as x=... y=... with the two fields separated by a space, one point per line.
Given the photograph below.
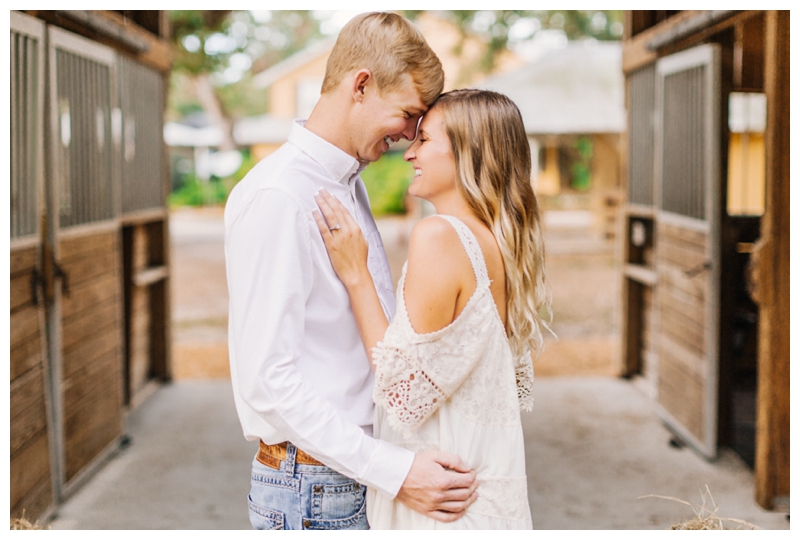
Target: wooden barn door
x=31 y=469
x=687 y=243
x=83 y=207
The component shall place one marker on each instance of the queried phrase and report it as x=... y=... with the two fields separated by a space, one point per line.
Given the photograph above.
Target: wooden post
x=772 y=423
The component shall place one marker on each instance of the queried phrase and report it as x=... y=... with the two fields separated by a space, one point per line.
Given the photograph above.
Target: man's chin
x=371 y=158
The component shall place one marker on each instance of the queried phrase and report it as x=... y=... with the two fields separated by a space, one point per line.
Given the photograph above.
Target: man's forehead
x=410 y=96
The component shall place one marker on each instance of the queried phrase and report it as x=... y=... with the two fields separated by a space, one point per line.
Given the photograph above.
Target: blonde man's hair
x=389 y=46
x=493 y=162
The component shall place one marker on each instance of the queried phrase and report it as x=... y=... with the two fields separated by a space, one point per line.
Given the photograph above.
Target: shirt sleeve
x=414 y=377
x=269 y=265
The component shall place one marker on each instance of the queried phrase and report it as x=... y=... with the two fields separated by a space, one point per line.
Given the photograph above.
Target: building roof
x=261 y=129
x=295 y=61
x=576 y=89
x=195 y=130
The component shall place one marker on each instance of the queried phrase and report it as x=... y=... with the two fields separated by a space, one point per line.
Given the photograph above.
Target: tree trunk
x=214 y=109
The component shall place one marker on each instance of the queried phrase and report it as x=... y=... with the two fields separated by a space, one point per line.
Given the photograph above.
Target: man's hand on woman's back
x=439 y=486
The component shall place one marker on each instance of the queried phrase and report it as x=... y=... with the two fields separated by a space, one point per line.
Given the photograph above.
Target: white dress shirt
x=298 y=367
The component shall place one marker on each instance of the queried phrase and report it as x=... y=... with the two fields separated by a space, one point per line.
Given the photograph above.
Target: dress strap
x=473 y=249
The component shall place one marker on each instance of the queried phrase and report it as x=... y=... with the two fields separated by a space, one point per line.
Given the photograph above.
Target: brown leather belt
x=271 y=455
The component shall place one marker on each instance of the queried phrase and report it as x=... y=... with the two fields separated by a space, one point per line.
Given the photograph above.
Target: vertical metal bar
x=94 y=195
x=19 y=133
x=51 y=216
x=72 y=74
x=67 y=66
x=103 y=102
x=25 y=117
x=691 y=141
x=14 y=140
x=87 y=182
x=32 y=138
x=83 y=183
x=126 y=180
x=108 y=172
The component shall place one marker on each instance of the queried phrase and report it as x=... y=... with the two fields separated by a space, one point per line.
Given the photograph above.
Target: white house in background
x=294 y=88
x=192 y=141
x=572 y=101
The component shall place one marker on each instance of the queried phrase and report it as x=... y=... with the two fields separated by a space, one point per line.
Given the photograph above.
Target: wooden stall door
x=31 y=469
x=686 y=250
x=83 y=207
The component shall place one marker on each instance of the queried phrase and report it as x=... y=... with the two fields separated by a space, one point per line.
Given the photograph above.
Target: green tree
x=498 y=28
x=214 y=53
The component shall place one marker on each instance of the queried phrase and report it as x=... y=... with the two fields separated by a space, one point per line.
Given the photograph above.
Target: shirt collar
x=341 y=166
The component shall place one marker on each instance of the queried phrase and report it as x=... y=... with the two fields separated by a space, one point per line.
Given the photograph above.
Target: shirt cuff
x=389 y=468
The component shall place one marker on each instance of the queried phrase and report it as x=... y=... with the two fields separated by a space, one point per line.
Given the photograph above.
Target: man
x=302 y=381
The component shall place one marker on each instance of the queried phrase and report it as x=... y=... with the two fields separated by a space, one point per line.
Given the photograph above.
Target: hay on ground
x=22 y=524
x=705 y=517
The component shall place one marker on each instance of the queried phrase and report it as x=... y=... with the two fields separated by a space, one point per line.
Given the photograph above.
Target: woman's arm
x=348 y=249
x=437 y=266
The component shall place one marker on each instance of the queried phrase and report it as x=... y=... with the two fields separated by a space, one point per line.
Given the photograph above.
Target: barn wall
x=30 y=478
x=92 y=346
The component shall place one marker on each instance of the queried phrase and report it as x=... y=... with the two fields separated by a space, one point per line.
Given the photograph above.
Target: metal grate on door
x=641 y=136
x=141 y=97
x=683 y=181
x=83 y=109
x=26 y=136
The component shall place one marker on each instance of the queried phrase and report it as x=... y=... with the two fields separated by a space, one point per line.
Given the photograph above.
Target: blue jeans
x=299 y=496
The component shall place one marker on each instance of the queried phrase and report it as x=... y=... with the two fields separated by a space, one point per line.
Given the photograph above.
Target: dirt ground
x=581 y=270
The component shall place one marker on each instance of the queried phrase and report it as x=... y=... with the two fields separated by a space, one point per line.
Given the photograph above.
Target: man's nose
x=410 y=130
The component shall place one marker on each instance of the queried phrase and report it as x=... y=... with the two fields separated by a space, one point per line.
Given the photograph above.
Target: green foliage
x=222 y=46
x=200 y=25
x=248 y=162
x=207 y=41
x=387 y=182
x=194 y=192
x=581 y=168
x=496 y=27
x=243 y=99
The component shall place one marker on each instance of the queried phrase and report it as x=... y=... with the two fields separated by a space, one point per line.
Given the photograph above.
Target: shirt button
x=306 y=523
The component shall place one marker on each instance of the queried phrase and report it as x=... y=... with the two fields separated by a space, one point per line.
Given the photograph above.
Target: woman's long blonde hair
x=493 y=160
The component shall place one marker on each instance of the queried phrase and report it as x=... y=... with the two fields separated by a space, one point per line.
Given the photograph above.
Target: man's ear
x=360 y=81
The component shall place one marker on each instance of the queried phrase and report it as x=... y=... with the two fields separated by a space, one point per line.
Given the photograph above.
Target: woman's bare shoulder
x=438 y=268
x=433 y=237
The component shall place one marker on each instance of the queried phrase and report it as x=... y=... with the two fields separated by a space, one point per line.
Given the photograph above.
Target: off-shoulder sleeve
x=524 y=374
x=412 y=380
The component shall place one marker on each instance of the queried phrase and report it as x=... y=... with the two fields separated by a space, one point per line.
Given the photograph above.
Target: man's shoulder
x=287 y=173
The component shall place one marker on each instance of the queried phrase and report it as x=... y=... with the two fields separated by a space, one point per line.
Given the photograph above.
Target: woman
x=453 y=369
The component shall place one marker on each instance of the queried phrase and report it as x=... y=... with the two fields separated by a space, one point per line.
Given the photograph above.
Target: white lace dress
x=460 y=390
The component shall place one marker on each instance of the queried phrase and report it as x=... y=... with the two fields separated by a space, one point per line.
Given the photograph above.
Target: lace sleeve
x=413 y=379
x=524 y=373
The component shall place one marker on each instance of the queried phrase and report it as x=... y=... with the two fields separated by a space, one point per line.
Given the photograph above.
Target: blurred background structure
x=660 y=144
x=705 y=243
x=90 y=273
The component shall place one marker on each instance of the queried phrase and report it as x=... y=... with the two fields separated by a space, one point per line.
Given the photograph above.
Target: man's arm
x=270 y=268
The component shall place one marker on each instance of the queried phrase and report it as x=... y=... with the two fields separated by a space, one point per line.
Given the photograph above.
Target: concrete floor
x=593 y=446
